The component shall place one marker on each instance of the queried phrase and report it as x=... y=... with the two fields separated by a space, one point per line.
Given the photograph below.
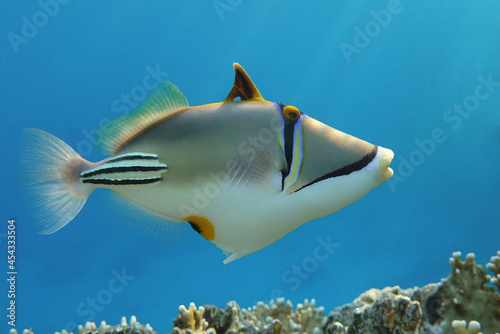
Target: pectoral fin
x=262 y=167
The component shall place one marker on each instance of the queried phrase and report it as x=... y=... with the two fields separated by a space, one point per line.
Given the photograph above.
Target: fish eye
x=291 y=113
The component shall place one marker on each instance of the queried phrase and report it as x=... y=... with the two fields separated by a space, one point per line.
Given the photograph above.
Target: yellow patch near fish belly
x=203 y=226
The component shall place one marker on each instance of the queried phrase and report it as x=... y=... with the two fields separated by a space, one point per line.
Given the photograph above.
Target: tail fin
x=51 y=169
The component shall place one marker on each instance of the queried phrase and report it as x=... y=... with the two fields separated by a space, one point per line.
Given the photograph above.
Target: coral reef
x=465 y=302
x=90 y=328
x=465 y=295
x=273 y=318
x=391 y=310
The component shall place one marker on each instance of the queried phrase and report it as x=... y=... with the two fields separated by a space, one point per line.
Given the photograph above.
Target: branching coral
x=494 y=266
x=134 y=327
x=464 y=295
x=191 y=320
x=273 y=318
x=306 y=319
x=210 y=319
x=26 y=331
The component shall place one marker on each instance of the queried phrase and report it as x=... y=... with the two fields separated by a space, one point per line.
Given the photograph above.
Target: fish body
x=242 y=173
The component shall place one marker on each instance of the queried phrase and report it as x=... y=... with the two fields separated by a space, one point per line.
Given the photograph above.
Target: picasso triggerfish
x=244 y=172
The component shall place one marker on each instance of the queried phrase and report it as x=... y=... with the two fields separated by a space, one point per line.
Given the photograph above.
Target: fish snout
x=385 y=161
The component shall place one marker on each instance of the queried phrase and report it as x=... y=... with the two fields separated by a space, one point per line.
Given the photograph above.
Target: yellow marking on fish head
x=203 y=226
x=291 y=113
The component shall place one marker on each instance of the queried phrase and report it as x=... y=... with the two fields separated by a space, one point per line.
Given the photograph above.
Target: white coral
x=192 y=318
x=460 y=327
x=494 y=266
x=91 y=327
x=306 y=319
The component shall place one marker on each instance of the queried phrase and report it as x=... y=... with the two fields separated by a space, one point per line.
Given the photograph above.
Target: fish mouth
x=385 y=161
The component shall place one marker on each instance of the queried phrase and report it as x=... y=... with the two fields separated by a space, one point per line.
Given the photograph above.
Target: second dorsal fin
x=243 y=86
x=165 y=101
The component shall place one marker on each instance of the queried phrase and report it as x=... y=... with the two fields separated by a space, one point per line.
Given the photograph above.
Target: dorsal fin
x=243 y=87
x=164 y=101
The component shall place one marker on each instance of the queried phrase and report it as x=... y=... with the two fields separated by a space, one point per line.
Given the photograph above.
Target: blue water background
x=394 y=91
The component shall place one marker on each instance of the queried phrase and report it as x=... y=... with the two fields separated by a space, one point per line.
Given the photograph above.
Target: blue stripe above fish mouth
x=164 y=155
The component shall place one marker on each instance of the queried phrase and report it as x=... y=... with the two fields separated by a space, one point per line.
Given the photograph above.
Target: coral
x=467 y=301
x=191 y=320
x=123 y=328
x=461 y=327
x=273 y=318
x=389 y=310
x=26 y=331
x=306 y=319
x=494 y=266
x=221 y=320
x=465 y=295
x=335 y=328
